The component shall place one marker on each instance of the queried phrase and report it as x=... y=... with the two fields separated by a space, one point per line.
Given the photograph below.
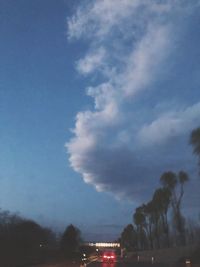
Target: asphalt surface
x=99 y=263
x=121 y=263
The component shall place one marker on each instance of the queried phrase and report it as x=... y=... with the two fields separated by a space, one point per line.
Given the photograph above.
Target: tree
x=139 y=220
x=161 y=202
x=30 y=238
x=175 y=184
x=195 y=142
x=168 y=180
x=129 y=237
x=70 y=241
x=21 y=238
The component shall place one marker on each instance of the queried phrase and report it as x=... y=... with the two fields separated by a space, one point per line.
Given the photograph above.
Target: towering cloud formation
x=116 y=146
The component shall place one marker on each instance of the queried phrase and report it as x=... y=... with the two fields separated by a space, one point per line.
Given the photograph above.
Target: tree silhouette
x=139 y=220
x=161 y=202
x=22 y=239
x=175 y=184
x=70 y=241
x=149 y=212
x=129 y=237
x=195 y=142
x=168 y=180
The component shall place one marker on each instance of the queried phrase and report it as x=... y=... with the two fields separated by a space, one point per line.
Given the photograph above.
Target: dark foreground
x=96 y=262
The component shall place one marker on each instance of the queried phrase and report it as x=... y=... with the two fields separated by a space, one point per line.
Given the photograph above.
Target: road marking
x=91 y=261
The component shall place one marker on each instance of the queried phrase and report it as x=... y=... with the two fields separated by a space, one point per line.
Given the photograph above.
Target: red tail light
x=109 y=256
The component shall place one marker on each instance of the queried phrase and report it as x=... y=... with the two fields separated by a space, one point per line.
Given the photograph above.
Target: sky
x=97 y=99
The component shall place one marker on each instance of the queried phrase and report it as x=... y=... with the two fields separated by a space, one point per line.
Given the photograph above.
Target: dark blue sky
x=40 y=94
x=139 y=64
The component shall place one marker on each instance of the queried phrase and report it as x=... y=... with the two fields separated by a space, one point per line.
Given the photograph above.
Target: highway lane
x=99 y=263
x=120 y=263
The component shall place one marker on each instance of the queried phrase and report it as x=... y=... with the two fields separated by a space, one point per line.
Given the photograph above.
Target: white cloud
x=129 y=48
x=98 y=17
x=92 y=61
x=170 y=124
x=144 y=59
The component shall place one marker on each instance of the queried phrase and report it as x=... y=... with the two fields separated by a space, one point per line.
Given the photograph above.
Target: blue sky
x=97 y=99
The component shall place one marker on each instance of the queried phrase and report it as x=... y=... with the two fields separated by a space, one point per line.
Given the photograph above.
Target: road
x=97 y=263
x=125 y=264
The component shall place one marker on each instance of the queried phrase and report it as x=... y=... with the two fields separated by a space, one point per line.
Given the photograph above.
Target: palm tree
x=168 y=180
x=171 y=181
x=179 y=220
x=195 y=141
x=128 y=237
x=139 y=220
x=148 y=211
x=161 y=200
x=182 y=179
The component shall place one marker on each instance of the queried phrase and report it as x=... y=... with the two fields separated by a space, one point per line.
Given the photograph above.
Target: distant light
x=103 y=244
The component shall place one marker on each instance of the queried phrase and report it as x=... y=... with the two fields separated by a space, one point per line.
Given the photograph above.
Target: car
x=109 y=256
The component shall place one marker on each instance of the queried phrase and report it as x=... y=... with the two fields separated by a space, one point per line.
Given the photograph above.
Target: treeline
x=151 y=226
x=159 y=223
x=24 y=241
x=21 y=238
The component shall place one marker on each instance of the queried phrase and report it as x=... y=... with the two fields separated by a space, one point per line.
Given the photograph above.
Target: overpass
x=103 y=244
